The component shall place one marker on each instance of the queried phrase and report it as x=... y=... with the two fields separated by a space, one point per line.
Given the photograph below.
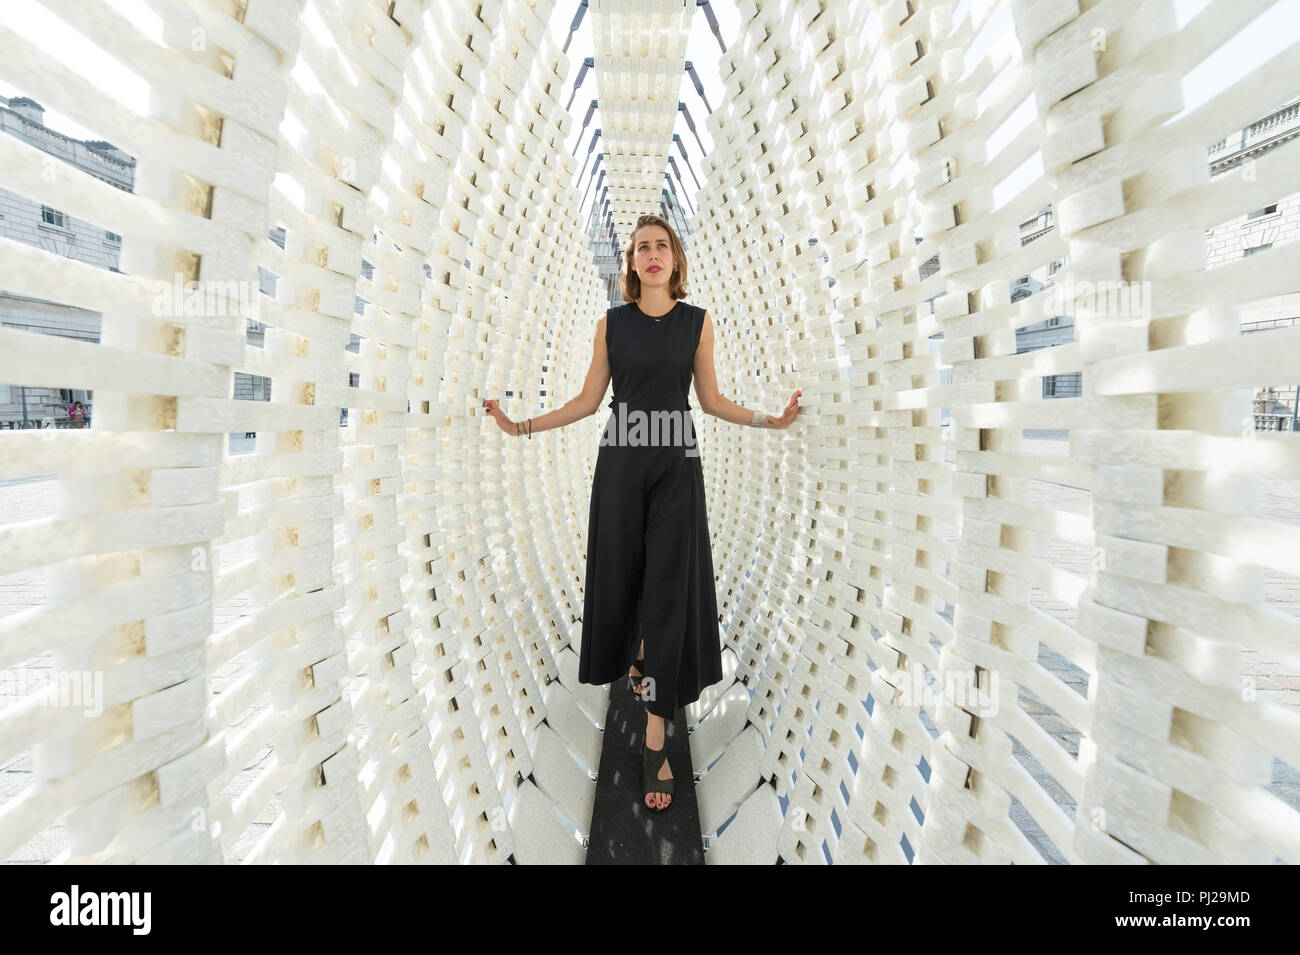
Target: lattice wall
x=1092 y=606
x=369 y=686
x=354 y=643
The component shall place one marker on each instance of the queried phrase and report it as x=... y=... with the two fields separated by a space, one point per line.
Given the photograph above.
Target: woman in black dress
x=649 y=562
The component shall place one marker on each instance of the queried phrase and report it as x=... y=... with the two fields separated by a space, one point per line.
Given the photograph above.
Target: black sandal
x=652 y=760
x=635 y=681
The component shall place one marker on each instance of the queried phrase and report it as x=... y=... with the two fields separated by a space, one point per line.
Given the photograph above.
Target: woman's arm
x=575 y=409
x=713 y=402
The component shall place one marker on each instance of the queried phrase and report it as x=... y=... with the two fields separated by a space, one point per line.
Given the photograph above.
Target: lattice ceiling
x=640 y=57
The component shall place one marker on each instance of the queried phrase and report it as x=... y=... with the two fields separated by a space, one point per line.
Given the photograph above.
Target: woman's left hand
x=786 y=417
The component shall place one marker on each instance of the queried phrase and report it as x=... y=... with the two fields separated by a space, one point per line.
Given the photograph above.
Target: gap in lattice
x=1029 y=827
x=1044 y=780
x=1052 y=606
x=1049 y=721
x=1285 y=783
x=1064 y=669
x=16 y=776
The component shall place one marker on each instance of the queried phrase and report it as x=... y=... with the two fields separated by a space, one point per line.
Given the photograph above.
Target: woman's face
x=652 y=255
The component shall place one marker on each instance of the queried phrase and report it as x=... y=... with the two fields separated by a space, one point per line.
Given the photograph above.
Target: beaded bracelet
x=525 y=428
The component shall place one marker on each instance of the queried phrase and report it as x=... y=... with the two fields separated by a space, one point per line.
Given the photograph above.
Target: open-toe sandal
x=635 y=681
x=652 y=760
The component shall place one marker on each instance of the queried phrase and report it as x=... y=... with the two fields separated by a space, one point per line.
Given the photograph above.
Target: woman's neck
x=655 y=301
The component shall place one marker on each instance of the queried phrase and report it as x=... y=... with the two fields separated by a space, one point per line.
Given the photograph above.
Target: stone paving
x=1279 y=500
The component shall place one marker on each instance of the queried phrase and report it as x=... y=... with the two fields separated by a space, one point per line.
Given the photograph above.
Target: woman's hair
x=632 y=281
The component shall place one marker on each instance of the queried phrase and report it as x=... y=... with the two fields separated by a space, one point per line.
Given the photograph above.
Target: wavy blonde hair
x=632 y=281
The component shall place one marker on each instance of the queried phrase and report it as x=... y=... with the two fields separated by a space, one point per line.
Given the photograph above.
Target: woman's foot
x=654 y=740
x=635 y=673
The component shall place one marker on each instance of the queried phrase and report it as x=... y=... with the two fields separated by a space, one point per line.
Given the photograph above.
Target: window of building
x=1259 y=248
x=1266 y=211
x=53 y=217
x=1069 y=385
x=267 y=281
x=112 y=237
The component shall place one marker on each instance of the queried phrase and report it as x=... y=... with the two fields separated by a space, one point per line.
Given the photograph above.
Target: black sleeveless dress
x=649 y=561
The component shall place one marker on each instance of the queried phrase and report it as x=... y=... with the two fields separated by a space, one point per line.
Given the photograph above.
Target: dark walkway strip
x=623 y=830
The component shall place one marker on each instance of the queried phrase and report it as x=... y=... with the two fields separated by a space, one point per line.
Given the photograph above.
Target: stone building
x=1053 y=330
x=25 y=220
x=1272 y=224
x=606 y=253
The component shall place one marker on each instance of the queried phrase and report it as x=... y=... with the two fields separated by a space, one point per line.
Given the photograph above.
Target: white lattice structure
x=640 y=54
x=354 y=644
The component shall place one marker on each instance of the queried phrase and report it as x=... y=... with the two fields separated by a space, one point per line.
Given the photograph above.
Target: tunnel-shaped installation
x=963 y=620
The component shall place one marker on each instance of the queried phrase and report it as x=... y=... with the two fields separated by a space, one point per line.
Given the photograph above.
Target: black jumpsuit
x=649 y=561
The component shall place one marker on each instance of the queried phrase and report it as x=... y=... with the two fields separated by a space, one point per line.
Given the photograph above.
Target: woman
x=648 y=534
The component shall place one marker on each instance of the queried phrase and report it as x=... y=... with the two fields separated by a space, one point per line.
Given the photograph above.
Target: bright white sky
x=1269 y=34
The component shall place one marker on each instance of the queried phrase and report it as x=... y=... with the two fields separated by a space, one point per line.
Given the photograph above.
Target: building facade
x=1276 y=404
x=1277 y=222
x=30 y=222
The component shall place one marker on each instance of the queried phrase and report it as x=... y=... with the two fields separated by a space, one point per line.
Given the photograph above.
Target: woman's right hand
x=499 y=416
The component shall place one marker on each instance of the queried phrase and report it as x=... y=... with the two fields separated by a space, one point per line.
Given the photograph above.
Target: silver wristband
x=759 y=420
